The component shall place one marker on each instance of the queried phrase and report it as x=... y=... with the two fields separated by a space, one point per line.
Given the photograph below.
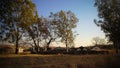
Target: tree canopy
x=65 y=22
x=15 y=15
x=57 y=27
x=109 y=19
x=19 y=19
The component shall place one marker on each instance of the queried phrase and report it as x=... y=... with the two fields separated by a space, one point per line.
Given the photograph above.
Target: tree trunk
x=48 y=44
x=117 y=48
x=67 y=46
x=16 y=48
x=36 y=47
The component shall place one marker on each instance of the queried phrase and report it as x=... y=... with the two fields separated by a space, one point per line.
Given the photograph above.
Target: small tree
x=98 y=41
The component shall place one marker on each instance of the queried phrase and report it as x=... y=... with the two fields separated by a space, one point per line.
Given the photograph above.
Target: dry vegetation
x=59 y=61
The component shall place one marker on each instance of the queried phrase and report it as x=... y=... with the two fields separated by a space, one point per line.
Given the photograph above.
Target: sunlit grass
x=22 y=55
x=59 y=61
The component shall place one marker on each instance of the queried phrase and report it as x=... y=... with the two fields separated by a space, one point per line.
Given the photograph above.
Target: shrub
x=6 y=50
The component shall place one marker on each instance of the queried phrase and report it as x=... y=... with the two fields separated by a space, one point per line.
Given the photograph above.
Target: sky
x=84 y=11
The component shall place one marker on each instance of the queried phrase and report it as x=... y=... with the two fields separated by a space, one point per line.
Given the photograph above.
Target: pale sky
x=84 y=11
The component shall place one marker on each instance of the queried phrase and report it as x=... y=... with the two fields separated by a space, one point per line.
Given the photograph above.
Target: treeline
x=19 y=21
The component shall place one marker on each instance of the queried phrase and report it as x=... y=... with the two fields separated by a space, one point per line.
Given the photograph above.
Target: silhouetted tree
x=15 y=15
x=109 y=19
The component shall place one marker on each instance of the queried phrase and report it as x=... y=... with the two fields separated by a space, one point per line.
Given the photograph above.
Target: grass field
x=59 y=61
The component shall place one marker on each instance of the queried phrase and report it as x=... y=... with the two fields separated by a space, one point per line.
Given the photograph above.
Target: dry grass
x=59 y=61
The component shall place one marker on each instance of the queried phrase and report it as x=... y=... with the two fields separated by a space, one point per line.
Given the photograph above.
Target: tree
x=98 y=41
x=109 y=19
x=65 y=22
x=46 y=30
x=42 y=33
x=15 y=15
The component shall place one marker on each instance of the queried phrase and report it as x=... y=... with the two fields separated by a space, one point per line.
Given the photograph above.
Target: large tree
x=15 y=15
x=65 y=22
x=39 y=33
x=109 y=19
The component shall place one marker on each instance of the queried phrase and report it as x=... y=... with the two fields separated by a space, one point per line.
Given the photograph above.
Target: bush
x=6 y=50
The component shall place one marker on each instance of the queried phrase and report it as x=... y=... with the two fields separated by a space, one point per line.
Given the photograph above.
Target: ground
x=59 y=61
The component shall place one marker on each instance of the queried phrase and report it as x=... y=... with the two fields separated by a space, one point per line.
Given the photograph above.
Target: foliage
x=58 y=26
x=15 y=15
x=19 y=20
x=109 y=19
x=39 y=33
x=65 y=22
